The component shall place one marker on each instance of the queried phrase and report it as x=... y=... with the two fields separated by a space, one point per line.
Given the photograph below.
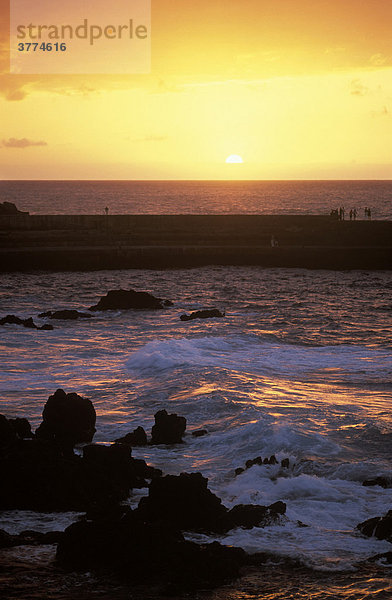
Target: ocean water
x=300 y=367
x=199 y=197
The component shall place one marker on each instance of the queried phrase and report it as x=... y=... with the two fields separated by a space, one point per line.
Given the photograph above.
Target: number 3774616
x=42 y=47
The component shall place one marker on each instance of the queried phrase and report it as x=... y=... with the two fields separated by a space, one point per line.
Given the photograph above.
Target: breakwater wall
x=83 y=242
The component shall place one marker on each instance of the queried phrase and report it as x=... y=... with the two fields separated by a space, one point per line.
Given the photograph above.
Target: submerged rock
x=68 y=419
x=71 y=315
x=29 y=323
x=199 y=432
x=260 y=461
x=168 y=429
x=129 y=299
x=29 y=538
x=384 y=482
x=203 y=314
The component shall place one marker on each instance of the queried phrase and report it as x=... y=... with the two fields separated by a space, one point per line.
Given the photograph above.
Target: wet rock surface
x=186 y=502
x=70 y=315
x=137 y=437
x=384 y=482
x=129 y=299
x=29 y=323
x=379 y=527
x=183 y=500
x=29 y=538
x=42 y=472
x=272 y=460
x=68 y=419
x=143 y=546
x=199 y=432
x=168 y=428
x=149 y=541
x=210 y=313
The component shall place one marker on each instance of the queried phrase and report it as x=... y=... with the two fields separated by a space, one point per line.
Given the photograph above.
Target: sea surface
x=199 y=197
x=300 y=367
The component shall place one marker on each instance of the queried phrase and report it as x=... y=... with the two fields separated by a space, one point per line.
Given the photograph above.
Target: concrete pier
x=91 y=242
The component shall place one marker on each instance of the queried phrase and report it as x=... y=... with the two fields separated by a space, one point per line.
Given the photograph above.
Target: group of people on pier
x=340 y=213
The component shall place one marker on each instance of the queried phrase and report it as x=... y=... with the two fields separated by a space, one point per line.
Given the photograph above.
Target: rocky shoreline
x=144 y=546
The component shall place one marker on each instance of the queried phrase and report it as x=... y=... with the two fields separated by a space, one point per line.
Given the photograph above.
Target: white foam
x=330 y=509
x=251 y=354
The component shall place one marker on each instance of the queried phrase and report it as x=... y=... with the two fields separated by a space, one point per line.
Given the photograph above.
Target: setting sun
x=234 y=158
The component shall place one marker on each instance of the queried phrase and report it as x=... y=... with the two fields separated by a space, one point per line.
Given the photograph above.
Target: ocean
x=300 y=367
x=199 y=197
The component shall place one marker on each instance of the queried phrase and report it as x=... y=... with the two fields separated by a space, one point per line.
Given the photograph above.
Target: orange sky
x=300 y=89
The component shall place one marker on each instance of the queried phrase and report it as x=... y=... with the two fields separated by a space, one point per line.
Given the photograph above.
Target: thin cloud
x=21 y=143
x=378 y=60
x=357 y=88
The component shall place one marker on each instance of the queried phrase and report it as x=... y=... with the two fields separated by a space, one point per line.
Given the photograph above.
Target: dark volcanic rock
x=6 y=540
x=203 y=314
x=7 y=434
x=379 y=527
x=35 y=476
x=187 y=503
x=252 y=515
x=44 y=474
x=168 y=429
x=259 y=461
x=129 y=299
x=71 y=315
x=29 y=323
x=385 y=558
x=137 y=437
x=21 y=427
x=253 y=461
x=199 y=432
x=68 y=419
x=116 y=461
x=9 y=208
x=384 y=482
x=29 y=538
x=156 y=553
x=184 y=500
